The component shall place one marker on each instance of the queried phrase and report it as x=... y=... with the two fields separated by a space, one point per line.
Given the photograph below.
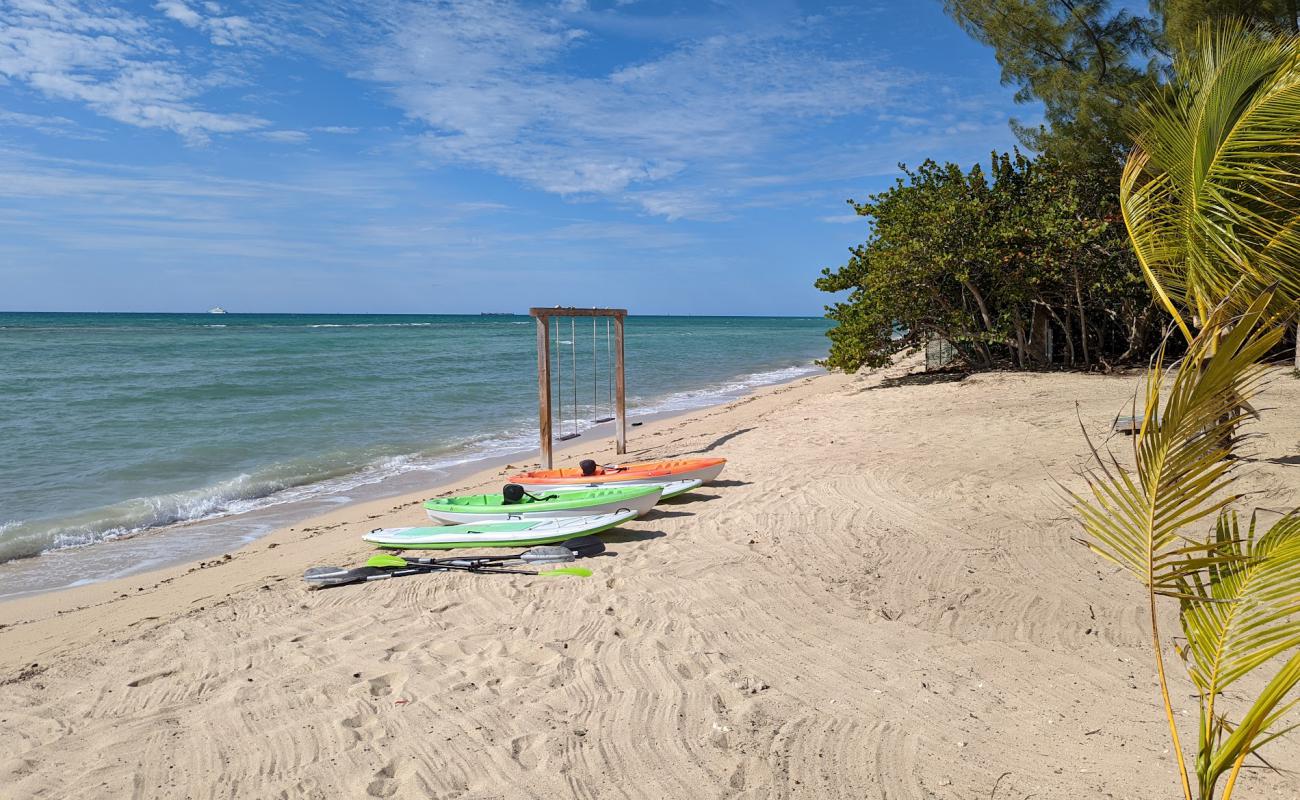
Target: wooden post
x=544 y=387
x=620 y=386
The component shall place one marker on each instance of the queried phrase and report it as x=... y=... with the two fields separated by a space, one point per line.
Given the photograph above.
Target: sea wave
x=285 y=483
x=372 y=325
x=726 y=390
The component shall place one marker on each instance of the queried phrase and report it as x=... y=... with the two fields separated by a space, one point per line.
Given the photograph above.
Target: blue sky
x=479 y=155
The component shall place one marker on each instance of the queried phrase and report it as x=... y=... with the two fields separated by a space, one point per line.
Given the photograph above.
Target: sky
x=465 y=156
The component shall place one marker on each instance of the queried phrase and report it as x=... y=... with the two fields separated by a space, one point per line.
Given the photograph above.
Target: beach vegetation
x=1210 y=201
x=1023 y=263
x=1082 y=59
x=1238 y=590
x=1089 y=62
x=1211 y=192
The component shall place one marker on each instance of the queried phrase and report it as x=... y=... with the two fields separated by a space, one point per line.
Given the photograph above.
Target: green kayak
x=548 y=505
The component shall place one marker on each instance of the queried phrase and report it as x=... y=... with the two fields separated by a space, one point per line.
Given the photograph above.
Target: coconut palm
x=1239 y=594
x=1236 y=610
x=1211 y=192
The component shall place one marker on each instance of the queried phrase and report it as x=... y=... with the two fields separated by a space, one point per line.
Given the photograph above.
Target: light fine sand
x=880 y=599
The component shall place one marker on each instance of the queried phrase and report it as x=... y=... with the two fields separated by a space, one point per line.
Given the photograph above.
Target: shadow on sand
x=659 y=513
x=918 y=379
x=622 y=536
x=693 y=496
x=721 y=440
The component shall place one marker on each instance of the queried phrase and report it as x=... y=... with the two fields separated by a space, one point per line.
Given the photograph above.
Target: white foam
x=372 y=325
x=729 y=390
x=280 y=485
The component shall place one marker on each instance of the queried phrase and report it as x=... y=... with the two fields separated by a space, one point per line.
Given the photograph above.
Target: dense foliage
x=1027 y=265
x=1090 y=61
x=1085 y=62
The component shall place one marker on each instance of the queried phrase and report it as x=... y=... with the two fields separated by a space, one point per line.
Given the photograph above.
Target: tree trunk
x=1083 y=318
x=979 y=301
x=1069 y=337
x=1039 y=336
x=1297 y=345
x=1021 y=347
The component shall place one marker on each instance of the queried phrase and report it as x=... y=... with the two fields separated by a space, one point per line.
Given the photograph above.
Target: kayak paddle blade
x=382 y=560
x=586 y=546
x=581 y=572
x=335 y=576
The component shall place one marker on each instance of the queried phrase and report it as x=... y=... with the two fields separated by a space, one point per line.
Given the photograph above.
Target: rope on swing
x=559 y=379
x=609 y=370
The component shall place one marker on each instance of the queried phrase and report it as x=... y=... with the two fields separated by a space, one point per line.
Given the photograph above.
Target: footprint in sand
x=383 y=785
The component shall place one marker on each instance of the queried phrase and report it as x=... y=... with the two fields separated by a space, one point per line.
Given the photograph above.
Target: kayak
x=547 y=505
x=671 y=488
x=630 y=474
x=524 y=533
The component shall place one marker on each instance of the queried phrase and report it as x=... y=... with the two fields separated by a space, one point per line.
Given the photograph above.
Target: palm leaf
x=1211 y=194
x=1248 y=615
x=1182 y=472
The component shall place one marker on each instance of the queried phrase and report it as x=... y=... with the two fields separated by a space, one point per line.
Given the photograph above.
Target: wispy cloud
x=285 y=136
x=488 y=79
x=111 y=61
x=47 y=124
x=222 y=30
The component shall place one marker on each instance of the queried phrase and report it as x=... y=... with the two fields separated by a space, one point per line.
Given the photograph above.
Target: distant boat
x=496 y=314
x=217 y=310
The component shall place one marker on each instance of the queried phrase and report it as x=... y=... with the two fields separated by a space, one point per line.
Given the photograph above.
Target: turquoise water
x=115 y=424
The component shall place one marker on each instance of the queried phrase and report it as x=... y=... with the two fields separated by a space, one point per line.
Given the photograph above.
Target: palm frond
x=1211 y=193
x=1182 y=472
x=1257 y=600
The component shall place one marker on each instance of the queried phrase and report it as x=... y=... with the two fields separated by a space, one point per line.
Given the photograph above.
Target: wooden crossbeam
x=561 y=311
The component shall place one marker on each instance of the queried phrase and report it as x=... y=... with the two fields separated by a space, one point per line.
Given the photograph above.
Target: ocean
x=131 y=428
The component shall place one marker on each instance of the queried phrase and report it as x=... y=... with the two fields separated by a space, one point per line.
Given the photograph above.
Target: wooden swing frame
x=543 y=317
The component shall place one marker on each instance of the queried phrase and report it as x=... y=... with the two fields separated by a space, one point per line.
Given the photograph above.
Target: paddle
x=384 y=565
x=580 y=547
x=338 y=576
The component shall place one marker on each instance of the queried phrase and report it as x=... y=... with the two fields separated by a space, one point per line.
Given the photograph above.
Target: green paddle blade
x=581 y=572
x=383 y=560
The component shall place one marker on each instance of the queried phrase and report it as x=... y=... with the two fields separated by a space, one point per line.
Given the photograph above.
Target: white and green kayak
x=671 y=488
x=522 y=533
x=548 y=505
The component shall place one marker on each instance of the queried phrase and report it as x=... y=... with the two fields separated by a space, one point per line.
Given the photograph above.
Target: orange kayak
x=633 y=472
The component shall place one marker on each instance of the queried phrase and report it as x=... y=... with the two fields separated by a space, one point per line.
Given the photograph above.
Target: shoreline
x=228 y=532
x=471 y=477
x=881 y=597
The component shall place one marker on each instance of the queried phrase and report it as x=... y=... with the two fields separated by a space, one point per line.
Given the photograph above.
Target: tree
x=1088 y=62
x=1180 y=19
x=1002 y=265
x=1238 y=591
x=1085 y=63
x=1211 y=192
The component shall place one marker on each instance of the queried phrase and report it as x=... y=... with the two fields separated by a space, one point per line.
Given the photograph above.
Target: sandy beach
x=880 y=599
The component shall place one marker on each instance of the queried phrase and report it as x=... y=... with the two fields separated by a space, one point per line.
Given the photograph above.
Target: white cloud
x=340 y=130
x=284 y=137
x=843 y=219
x=488 y=79
x=112 y=62
x=225 y=31
x=46 y=124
